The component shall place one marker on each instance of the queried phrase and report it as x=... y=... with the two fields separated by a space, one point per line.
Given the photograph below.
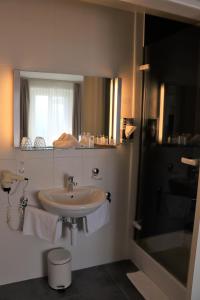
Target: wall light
x=6 y=106
x=161 y=115
x=111 y=111
x=115 y=110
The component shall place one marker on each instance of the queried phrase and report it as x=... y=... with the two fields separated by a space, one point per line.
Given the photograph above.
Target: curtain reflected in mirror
x=96 y=99
x=24 y=107
x=77 y=110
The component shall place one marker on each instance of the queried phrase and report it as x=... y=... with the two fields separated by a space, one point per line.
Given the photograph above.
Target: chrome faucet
x=69 y=183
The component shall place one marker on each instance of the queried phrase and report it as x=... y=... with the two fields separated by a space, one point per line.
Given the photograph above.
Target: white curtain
x=51 y=109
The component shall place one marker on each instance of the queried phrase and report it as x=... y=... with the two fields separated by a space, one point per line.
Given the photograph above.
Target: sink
x=77 y=203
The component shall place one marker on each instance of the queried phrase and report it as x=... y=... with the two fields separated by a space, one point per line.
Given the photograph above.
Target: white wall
x=22 y=257
x=69 y=37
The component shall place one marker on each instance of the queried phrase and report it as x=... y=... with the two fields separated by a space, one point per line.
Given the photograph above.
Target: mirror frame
x=115 y=108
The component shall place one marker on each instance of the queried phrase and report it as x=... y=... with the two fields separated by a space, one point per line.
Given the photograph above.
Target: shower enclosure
x=169 y=144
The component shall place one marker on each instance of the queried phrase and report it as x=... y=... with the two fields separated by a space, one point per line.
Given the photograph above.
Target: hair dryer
x=8 y=178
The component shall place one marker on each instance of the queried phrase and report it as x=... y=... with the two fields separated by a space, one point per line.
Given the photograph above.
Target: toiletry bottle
x=91 y=141
x=88 y=139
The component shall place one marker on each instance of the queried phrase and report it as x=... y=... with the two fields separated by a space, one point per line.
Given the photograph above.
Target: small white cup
x=26 y=143
x=39 y=142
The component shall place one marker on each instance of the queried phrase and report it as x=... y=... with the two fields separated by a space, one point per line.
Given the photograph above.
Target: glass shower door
x=169 y=150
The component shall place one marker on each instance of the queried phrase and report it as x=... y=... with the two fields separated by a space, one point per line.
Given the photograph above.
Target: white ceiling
x=186 y=10
x=188 y=3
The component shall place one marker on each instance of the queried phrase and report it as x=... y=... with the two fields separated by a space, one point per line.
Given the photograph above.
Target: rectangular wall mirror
x=48 y=104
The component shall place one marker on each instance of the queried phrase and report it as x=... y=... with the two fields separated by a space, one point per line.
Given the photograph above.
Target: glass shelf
x=76 y=148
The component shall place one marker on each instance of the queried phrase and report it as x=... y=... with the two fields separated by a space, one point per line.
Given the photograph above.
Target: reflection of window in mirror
x=48 y=104
x=49 y=108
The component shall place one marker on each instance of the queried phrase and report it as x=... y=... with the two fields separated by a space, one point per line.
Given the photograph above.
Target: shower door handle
x=190 y=161
x=137 y=225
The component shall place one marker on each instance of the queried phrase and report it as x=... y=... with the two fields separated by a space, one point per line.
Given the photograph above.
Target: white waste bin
x=59 y=269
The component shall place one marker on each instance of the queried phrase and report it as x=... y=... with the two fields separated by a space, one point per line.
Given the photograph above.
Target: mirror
x=48 y=104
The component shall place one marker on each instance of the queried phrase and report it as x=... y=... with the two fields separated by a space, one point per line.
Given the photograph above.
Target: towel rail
x=108 y=197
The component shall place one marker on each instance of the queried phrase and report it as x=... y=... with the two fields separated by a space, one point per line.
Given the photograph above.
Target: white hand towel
x=98 y=218
x=129 y=130
x=42 y=224
x=66 y=141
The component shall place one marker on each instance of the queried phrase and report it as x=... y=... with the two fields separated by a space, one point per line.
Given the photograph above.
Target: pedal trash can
x=59 y=268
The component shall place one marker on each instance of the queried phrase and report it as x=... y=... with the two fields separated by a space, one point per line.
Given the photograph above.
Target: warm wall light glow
x=127 y=107
x=115 y=109
x=161 y=115
x=111 y=111
x=6 y=106
x=117 y=105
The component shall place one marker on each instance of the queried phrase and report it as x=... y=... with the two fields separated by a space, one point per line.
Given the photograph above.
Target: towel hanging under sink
x=42 y=224
x=97 y=219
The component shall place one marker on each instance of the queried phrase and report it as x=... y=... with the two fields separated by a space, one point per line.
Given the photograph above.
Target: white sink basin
x=78 y=203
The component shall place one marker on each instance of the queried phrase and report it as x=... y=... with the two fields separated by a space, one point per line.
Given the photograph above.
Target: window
x=50 y=109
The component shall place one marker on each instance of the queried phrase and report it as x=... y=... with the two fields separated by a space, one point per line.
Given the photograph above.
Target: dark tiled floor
x=107 y=282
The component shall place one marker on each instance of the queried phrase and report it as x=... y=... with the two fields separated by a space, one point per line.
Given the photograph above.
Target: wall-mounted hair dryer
x=8 y=178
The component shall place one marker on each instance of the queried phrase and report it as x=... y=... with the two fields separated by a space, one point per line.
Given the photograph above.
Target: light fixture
x=115 y=110
x=161 y=114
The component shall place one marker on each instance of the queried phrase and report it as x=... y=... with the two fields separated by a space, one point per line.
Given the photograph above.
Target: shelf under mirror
x=76 y=148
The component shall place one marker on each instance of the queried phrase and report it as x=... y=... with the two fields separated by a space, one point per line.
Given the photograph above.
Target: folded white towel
x=42 y=224
x=66 y=141
x=97 y=219
x=129 y=130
